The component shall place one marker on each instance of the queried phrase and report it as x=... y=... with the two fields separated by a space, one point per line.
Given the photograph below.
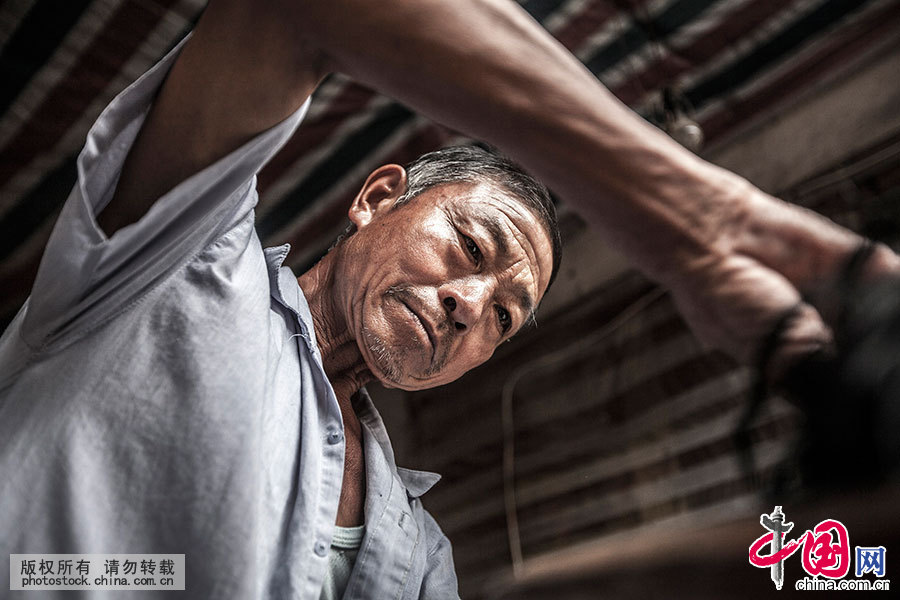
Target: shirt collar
x=415 y=482
x=286 y=291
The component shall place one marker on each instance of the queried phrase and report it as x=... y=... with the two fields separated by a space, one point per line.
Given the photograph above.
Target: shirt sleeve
x=85 y=277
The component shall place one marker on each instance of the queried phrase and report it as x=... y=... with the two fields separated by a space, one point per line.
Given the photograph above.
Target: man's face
x=435 y=285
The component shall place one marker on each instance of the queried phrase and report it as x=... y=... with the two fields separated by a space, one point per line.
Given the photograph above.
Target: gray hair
x=475 y=164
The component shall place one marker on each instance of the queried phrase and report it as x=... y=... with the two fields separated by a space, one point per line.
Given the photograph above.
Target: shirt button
x=320 y=548
x=334 y=437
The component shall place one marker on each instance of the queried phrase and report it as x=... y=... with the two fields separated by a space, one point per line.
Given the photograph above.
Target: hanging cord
x=506 y=403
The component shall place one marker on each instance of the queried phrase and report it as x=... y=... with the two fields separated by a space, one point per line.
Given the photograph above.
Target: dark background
x=629 y=430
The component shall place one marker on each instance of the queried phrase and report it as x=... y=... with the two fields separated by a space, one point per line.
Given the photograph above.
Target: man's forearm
x=486 y=68
x=734 y=257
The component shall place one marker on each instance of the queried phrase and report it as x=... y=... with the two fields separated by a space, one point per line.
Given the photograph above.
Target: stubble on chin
x=387 y=363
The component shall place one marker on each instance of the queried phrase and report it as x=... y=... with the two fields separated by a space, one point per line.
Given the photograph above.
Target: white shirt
x=162 y=392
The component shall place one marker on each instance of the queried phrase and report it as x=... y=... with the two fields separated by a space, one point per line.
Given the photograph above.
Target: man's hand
x=775 y=259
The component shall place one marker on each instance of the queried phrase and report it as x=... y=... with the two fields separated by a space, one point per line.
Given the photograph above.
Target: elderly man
x=169 y=387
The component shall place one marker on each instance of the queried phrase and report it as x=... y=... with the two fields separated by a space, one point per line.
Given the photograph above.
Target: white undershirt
x=344 y=548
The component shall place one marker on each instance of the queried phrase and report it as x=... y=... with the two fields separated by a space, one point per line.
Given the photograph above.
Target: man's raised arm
x=734 y=257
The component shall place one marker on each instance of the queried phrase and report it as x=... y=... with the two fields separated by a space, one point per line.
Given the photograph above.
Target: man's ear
x=382 y=189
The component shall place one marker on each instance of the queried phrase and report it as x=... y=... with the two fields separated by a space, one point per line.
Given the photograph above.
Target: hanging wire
x=506 y=404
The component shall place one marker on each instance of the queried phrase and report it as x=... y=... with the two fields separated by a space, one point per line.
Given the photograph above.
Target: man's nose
x=464 y=302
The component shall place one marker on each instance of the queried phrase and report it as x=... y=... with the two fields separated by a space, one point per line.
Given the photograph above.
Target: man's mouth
x=425 y=325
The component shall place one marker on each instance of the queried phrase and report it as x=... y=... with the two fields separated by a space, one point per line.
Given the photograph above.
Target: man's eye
x=473 y=249
x=504 y=318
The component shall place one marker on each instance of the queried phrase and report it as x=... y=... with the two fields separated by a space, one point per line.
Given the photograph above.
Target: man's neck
x=347 y=372
x=344 y=365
